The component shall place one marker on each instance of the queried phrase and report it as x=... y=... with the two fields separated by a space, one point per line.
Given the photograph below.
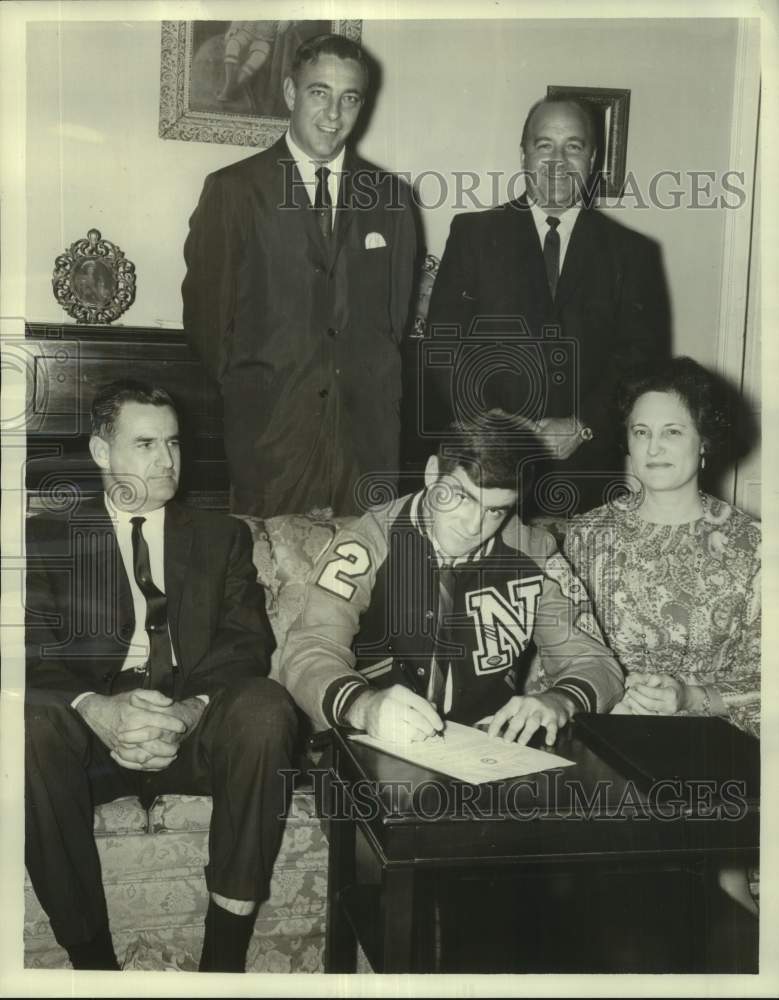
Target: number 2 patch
x=353 y=560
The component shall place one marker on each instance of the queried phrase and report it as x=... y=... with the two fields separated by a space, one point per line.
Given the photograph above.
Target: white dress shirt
x=567 y=221
x=154 y=533
x=307 y=169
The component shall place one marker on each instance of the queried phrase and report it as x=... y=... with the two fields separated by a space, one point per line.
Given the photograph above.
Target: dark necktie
x=323 y=203
x=552 y=253
x=441 y=665
x=159 y=675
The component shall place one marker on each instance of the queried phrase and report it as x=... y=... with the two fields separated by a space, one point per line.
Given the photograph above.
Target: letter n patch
x=503 y=627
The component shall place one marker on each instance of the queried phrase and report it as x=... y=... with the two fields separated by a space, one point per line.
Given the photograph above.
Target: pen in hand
x=414 y=685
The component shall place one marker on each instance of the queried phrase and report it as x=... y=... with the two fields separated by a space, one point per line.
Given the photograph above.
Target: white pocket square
x=374 y=240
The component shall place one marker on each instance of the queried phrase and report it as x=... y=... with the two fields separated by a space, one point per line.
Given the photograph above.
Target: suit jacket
x=303 y=337
x=532 y=355
x=79 y=611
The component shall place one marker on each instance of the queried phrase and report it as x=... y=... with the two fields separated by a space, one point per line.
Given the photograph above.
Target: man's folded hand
x=142 y=729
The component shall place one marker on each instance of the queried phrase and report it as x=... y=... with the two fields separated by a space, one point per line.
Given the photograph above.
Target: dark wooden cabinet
x=66 y=364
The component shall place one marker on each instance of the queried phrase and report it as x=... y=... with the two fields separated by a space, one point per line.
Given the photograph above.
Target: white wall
x=454 y=97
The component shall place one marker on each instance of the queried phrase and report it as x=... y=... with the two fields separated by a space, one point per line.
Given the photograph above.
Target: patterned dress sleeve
x=738 y=661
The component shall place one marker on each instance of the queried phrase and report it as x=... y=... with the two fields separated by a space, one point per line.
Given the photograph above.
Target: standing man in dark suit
x=300 y=264
x=147 y=650
x=545 y=301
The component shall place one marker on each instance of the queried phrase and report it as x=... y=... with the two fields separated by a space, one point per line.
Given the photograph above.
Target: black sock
x=226 y=939
x=95 y=954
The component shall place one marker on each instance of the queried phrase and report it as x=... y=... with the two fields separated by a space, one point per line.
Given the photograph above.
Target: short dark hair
x=329 y=45
x=490 y=447
x=584 y=108
x=111 y=398
x=700 y=391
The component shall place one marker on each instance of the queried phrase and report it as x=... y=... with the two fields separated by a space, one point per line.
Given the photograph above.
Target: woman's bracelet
x=705 y=706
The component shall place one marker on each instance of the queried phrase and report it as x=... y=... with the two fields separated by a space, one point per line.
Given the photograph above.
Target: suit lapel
x=179 y=531
x=582 y=250
x=296 y=193
x=112 y=611
x=528 y=263
x=345 y=213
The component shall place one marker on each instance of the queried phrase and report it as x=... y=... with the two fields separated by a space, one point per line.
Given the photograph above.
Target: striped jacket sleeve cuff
x=339 y=697
x=583 y=694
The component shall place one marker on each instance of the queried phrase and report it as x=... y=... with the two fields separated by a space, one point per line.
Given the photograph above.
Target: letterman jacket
x=371 y=612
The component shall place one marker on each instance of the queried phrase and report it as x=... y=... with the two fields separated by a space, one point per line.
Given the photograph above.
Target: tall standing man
x=550 y=300
x=147 y=650
x=300 y=264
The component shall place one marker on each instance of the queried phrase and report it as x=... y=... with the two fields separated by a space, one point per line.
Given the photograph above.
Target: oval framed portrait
x=93 y=280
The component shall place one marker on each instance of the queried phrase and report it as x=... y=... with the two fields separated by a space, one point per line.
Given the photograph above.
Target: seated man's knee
x=260 y=706
x=50 y=727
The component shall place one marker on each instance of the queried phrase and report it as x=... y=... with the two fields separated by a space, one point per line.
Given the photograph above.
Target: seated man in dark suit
x=147 y=650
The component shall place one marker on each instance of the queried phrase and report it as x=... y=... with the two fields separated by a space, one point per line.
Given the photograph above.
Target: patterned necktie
x=160 y=673
x=552 y=253
x=323 y=203
x=441 y=664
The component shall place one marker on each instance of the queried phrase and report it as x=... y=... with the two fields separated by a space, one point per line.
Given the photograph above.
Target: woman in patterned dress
x=673 y=573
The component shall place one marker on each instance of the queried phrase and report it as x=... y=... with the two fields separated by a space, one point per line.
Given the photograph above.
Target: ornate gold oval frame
x=93 y=281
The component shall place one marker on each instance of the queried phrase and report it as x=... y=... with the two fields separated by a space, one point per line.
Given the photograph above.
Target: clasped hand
x=142 y=729
x=652 y=694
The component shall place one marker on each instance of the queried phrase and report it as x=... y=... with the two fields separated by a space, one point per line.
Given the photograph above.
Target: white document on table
x=469 y=755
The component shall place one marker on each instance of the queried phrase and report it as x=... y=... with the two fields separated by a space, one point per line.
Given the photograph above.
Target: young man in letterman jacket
x=426 y=610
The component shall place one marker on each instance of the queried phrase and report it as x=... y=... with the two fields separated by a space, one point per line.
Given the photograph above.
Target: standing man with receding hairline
x=300 y=264
x=552 y=300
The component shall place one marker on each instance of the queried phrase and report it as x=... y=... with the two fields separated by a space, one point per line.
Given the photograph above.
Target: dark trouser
x=244 y=738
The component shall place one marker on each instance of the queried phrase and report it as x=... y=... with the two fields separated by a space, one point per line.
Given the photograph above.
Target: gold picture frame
x=199 y=102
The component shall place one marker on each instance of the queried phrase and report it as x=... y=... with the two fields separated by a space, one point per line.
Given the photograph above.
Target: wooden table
x=421 y=832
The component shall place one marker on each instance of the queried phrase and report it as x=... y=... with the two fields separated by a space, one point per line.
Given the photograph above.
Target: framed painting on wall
x=221 y=81
x=610 y=111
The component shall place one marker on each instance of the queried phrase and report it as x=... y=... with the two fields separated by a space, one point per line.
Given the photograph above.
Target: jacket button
x=324 y=393
x=107 y=676
x=318 y=269
x=331 y=332
x=428 y=614
x=420 y=671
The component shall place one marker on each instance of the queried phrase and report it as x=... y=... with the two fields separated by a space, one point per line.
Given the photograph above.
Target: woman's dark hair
x=701 y=392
